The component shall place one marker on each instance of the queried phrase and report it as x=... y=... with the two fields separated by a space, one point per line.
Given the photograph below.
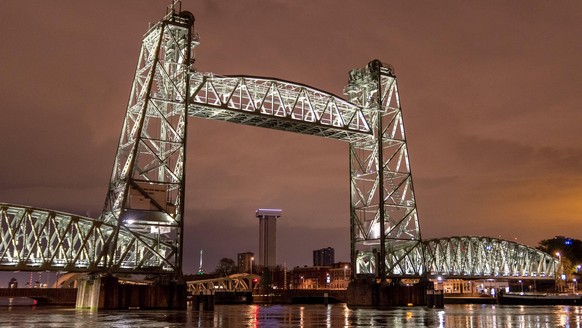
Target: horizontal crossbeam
x=277 y=104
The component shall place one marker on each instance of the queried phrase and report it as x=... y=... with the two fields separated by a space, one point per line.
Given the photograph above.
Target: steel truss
x=35 y=239
x=242 y=282
x=146 y=192
x=45 y=240
x=141 y=227
x=478 y=257
x=371 y=123
x=385 y=231
x=277 y=104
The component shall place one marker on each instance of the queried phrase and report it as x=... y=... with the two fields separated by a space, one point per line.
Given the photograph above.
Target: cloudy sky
x=491 y=96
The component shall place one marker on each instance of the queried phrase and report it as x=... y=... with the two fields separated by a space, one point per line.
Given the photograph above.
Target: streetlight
x=558 y=268
x=252 y=259
x=521 y=286
x=346 y=267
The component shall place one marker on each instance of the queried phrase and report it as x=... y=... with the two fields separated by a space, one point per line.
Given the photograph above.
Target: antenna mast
x=172 y=7
x=200 y=270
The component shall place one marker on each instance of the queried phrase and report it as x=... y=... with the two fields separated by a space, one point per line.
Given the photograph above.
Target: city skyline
x=490 y=103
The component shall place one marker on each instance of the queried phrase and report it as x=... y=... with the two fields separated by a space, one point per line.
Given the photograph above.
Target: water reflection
x=337 y=315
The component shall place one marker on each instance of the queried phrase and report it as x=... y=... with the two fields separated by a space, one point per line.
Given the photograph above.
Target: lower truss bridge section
x=34 y=239
x=236 y=283
x=471 y=257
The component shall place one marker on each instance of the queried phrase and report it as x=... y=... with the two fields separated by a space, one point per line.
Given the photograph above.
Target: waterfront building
x=340 y=274
x=336 y=276
x=323 y=257
x=461 y=287
x=315 y=277
x=245 y=262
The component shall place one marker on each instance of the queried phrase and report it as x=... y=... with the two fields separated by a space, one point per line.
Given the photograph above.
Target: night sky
x=490 y=92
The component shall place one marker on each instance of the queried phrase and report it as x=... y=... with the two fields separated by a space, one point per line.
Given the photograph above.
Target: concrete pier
x=203 y=302
x=369 y=293
x=88 y=290
x=107 y=293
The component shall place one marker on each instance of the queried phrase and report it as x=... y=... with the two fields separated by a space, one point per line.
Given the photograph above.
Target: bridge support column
x=97 y=293
x=369 y=293
x=203 y=302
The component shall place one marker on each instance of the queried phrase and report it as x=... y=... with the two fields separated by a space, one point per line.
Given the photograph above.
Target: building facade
x=324 y=257
x=336 y=276
x=340 y=275
x=268 y=236
x=245 y=262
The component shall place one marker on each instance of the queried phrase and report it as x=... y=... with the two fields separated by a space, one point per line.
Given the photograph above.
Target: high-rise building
x=323 y=257
x=268 y=236
x=245 y=262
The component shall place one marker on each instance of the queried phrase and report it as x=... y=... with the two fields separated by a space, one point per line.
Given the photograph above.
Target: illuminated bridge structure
x=141 y=226
x=242 y=282
x=44 y=240
x=472 y=257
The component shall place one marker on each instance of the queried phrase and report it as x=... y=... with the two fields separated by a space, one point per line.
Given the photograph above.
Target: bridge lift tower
x=145 y=200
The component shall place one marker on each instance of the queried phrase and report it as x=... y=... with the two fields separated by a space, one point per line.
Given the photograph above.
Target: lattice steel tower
x=385 y=231
x=146 y=191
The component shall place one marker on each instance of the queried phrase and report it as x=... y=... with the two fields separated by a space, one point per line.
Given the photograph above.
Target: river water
x=337 y=315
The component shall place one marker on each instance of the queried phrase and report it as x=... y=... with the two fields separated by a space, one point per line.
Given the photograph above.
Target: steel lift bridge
x=141 y=228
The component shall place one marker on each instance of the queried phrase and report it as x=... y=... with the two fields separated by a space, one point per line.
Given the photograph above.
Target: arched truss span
x=485 y=257
x=35 y=239
x=277 y=104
